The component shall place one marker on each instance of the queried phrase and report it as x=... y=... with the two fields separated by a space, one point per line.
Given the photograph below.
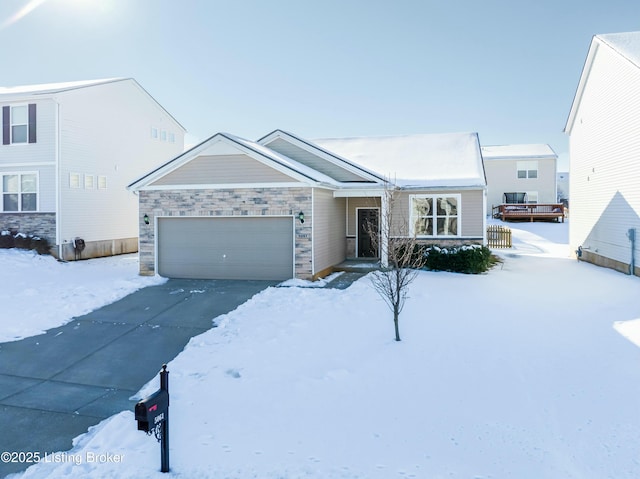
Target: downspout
x=57 y=175
x=631 y=234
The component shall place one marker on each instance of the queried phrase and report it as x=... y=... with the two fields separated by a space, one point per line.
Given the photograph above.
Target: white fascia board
x=358 y=192
x=586 y=70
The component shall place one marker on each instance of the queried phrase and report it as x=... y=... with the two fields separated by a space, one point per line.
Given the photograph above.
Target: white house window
x=163 y=135
x=102 y=182
x=19 y=124
x=172 y=137
x=20 y=192
x=89 y=182
x=435 y=215
x=74 y=180
x=527 y=169
x=154 y=133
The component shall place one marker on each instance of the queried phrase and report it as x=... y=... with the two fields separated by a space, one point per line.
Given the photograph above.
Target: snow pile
x=40 y=293
x=517 y=373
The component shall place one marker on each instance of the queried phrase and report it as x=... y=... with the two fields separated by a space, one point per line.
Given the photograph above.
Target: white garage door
x=226 y=248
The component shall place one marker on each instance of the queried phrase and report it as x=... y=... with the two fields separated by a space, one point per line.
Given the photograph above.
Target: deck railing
x=529 y=211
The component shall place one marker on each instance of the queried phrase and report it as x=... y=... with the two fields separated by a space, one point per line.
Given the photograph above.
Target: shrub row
x=24 y=241
x=472 y=259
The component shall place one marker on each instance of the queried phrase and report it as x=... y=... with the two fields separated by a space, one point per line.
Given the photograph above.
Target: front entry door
x=368 y=219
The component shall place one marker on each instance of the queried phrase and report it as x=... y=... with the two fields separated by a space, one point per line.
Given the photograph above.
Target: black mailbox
x=152 y=410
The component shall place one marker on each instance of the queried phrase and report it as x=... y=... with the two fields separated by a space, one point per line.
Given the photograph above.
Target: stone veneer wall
x=228 y=202
x=38 y=224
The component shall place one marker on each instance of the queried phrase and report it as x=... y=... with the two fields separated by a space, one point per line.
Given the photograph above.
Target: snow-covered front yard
x=518 y=373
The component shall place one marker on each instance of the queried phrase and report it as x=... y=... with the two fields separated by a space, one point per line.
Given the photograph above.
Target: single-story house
x=283 y=206
x=68 y=152
x=604 y=149
x=520 y=174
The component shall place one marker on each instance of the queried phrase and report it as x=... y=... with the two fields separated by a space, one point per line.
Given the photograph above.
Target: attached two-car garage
x=226 y=247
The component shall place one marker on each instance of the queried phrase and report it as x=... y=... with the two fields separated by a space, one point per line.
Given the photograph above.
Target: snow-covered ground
x=40 y=293
x=518 y=373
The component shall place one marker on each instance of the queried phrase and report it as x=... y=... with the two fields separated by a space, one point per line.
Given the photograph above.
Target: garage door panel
x=226 y=248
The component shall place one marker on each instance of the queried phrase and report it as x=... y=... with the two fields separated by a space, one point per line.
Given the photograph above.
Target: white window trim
x=12 y=124
x=527 y=166
x=19 y=174
x=412 y=219
x=89 y=182
x=102 y=182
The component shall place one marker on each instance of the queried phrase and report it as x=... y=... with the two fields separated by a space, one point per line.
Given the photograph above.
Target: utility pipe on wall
x=631 y=234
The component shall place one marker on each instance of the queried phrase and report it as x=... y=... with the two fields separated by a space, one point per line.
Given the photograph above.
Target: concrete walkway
x=56 y=385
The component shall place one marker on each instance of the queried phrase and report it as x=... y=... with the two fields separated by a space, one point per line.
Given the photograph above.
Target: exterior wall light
x=301 y=217
x=146 y=219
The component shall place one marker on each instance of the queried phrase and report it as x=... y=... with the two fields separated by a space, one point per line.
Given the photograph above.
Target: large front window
x=434 y=215
x=20 y=192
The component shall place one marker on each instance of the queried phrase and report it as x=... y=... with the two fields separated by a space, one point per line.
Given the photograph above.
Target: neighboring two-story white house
x=520 y=174
x=604 y=154
x=68 y=152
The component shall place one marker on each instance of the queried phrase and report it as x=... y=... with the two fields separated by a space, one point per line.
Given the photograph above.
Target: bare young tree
x=397 y=245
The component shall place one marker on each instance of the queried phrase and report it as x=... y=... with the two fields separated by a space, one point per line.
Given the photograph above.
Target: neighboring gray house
x=284 y=207
x=68 y=152
x=526 y=173
x=604 y=148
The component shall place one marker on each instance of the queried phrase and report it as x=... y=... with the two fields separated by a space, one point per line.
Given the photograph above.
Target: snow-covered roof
x=627 y=44
x=510 y=152
x=256 y=150
x=427 y=160
x=51 y=88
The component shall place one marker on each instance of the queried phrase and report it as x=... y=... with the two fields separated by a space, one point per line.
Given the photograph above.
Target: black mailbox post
x=152 y=414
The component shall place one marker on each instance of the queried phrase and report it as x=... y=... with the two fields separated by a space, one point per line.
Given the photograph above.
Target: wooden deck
x=529 y=212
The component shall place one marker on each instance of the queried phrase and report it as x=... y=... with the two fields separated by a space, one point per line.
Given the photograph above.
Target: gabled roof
x=415 y=161
x=514 y=152
x=333 y=163
x=26 y=92
x=626 y=45
x=259 y=152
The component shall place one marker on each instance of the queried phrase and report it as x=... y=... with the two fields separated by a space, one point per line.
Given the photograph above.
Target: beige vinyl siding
x=471 y=211
x=302 y=156
x=222 y=169
x=502 y=177
x=106 y=131
x=604 y=157
x=329 y=244
x=352 y=206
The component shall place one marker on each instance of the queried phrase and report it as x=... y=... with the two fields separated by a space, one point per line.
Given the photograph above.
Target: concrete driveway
x=56 y=385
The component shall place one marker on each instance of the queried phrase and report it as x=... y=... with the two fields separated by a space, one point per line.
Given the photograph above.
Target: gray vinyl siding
x=604 y=149
x=302 y=156
x=222 y=169
x=39 y=157
x=329 y=245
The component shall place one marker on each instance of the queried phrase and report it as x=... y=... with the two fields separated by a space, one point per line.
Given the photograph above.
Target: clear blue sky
x=507 y=69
